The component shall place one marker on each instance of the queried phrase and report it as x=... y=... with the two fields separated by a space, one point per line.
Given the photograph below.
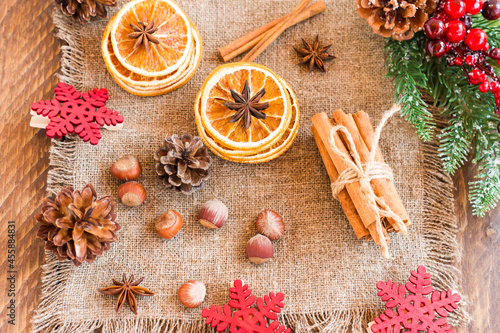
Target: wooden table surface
x=29 y=58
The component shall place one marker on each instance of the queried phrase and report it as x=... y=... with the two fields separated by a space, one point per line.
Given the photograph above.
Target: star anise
x=144 y=34
x=126 y=291
x=247 y=107
x=314 y=54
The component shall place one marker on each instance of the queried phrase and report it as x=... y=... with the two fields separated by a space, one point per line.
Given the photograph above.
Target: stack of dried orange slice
x=245 y=113
x=150 y=47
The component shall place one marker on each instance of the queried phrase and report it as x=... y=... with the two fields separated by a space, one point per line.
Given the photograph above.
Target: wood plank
x=28 y=61
x=480 y=263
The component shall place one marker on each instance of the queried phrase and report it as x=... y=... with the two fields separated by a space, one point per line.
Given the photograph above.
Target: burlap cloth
x=329 y=278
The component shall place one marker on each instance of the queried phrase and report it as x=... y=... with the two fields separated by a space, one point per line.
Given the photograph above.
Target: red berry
x=467 y=21
x=458 y=61
x=455 y=31
x=483 y=77
x=494 y=53
x=494 y=86
x=455 y=9
x=486 y=47
x=498 y=62
x=474 y=82
x=497 y=95
x=498 y=102
x=475 y=74
x=439 y=48
x=476 y=39
x=473 y=6
x=491 y=10
x=470 y=60
x=434 y=28
x=484 y=87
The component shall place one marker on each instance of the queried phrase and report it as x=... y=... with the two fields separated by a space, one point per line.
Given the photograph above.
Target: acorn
x=213 y=214
x=259 y=249
x=192 y=293
x=168 y=224
x=126 y=168
x=270 y=224
x=131 y=194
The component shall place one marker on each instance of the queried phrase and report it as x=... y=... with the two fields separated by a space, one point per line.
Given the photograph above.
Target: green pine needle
x=471 y=114
x=405 y=66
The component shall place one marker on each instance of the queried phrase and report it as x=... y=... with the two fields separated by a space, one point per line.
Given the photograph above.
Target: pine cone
x=183 y=163
x=76 y=226
x=84 y=9
x=397 y=18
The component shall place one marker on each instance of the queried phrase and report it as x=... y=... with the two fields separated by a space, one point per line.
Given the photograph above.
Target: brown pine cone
x=183 y=163
x=76 y=226
x=84 y=9
x=397 y=18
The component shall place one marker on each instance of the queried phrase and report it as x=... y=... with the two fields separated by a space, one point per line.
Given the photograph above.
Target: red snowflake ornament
x=247 y=319
x=74 y=112
x=415 y=312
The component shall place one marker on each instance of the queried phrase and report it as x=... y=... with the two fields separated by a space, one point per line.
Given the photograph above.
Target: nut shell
x=270 y=224
x=213 y=214
x=259 y=249
x=168 y=224
x=192 y=293
x=131 y=194
x=126 y=168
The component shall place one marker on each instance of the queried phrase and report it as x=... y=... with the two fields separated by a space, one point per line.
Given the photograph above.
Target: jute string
x=364 y=173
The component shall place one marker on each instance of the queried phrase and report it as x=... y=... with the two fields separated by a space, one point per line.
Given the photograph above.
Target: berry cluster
x=450 y=32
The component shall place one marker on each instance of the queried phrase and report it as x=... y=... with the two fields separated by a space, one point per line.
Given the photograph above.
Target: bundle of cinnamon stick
x=259 y=39
x=367 y=221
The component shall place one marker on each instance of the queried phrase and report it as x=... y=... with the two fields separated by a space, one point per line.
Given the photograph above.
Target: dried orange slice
x=173 y=35
x=151 y=86
x=134 y=80
x=275 y=151
x=219 y=120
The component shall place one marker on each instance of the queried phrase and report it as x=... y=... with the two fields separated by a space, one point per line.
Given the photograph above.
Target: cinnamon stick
x=365 y=127
x=246 y=42
x=366 y=212
x=274 y=33
x=343 y=197
x=380 y=186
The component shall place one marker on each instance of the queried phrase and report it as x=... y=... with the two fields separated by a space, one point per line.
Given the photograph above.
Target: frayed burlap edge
x=440 y=226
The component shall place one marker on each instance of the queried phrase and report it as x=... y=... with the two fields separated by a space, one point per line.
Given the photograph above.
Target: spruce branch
x=404 y=65
x=472 y=122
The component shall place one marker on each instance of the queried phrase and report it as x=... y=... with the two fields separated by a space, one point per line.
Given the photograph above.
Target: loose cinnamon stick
x=274 y=33
x=343 y=197
x=364 y=124
x=246 y=42
x=380 y=186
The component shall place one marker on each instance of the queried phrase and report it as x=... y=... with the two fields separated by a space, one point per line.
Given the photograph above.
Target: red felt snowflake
x=247 y=319
x=415 y=312
x=82 y=113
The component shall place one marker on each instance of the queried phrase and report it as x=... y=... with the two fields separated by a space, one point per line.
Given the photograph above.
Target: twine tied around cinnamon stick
x=364 y=173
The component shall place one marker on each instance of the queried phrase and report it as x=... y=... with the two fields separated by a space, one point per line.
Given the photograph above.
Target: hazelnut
x=213 y=214
x=131 y=194
x=168 y=224
x=126 y=168
x=192 y=293
x=259 y=249
x=270 y=224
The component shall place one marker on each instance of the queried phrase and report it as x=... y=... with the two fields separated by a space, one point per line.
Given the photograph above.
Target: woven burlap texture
x=329 y=278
